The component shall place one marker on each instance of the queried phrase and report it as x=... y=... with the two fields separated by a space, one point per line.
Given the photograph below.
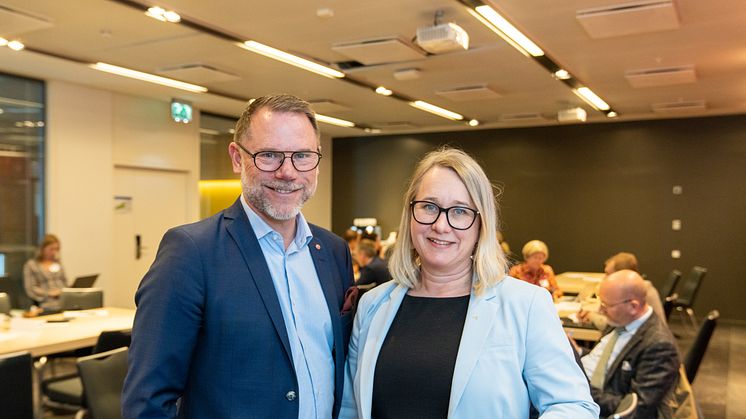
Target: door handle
x=138 y=246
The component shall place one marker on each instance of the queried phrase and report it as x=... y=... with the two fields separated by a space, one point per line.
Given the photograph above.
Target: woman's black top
x=415 y=366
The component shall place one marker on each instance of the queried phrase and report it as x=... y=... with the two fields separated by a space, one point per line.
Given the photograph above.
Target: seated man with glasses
x=638 y=355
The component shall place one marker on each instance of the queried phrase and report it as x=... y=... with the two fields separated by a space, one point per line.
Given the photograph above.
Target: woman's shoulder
x=510 y=289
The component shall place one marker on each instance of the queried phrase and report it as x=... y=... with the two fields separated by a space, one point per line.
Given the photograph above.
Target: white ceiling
x=711 y=36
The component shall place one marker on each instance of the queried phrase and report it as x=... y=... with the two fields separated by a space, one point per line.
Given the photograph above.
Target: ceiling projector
x=445 y=37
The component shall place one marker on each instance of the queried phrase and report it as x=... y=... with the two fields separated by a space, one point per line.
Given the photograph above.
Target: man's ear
x=235 y=154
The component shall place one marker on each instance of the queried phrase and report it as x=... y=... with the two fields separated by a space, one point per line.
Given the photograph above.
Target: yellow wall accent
x=216 y=195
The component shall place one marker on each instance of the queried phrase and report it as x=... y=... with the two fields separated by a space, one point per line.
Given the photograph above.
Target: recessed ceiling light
x=498 y=24
x=473 y=122
x=152 y=78
x=16 y=45
x=612 y=114
x=334 y=121
x=163 y=15
x=562 y=74
x=383 y=91
x=591 y=98
x=436 y=110
x=3 y=42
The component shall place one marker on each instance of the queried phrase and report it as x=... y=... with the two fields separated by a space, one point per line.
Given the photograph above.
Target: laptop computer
x=86 y=281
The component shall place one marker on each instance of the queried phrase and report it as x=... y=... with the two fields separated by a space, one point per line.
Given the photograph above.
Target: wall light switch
x=675 y=254
x=678 y=189
x=676 y=225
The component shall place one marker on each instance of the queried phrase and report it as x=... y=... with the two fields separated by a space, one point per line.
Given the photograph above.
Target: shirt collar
x=635 y=324
x=303 y=233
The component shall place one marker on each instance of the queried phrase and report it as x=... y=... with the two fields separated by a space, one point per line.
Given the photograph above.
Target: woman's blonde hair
x=489 y=265
x=535 y=246
x=46 y=241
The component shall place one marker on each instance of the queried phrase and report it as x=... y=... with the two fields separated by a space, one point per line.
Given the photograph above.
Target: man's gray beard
x=255 y=194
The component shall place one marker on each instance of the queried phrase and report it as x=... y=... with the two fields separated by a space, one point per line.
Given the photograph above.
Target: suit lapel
x=633 y=341
x=331 y=289
x=477 y=327
x=238 y=227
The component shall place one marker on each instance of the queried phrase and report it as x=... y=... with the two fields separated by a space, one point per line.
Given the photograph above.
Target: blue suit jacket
x=512 y=350
x=209 y=332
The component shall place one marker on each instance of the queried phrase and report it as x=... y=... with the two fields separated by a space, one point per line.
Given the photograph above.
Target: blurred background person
x=352 y=237
x=43 y=276
x=414 y=352
x=533 y=270
x=373 y=269
x=618 y=262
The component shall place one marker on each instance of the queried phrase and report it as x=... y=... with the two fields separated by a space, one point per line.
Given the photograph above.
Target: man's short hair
x=367 y=247
x=274 y=103
x=623 y=260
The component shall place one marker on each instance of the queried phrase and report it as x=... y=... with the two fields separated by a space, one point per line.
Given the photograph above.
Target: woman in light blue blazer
x=452 y=336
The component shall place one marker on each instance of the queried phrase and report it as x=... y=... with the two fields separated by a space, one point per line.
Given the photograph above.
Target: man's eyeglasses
x=605 y=306
x=427 y=213
x=270 y=161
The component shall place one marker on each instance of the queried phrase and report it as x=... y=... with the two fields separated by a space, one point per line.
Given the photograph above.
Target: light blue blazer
x=513 y=351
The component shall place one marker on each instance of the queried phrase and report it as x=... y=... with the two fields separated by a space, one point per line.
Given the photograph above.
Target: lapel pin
x=318 y=246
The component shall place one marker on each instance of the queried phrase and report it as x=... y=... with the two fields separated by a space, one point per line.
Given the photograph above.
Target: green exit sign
x=181 y=111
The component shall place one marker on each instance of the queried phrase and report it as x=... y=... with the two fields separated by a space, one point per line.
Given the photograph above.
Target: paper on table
x=565 y=306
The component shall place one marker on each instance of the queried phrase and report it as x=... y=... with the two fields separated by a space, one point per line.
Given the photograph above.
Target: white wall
x=91 y=131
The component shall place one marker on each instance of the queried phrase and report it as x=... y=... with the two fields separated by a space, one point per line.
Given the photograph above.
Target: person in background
x=618 y=262
x=534 y=271
x=373 y=270
x=452 y=335
x=352 y=237
x=43 y=276
x=242 y=314
x=639 y=355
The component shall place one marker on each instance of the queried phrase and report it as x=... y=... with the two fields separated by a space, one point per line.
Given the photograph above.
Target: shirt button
x=291 y=395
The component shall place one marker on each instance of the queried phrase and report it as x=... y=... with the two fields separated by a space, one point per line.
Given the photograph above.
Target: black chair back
x=670 y=285
x=694 y=357
x=16 y=391
x=112 y=339
x=690 y=286
x=103 y=378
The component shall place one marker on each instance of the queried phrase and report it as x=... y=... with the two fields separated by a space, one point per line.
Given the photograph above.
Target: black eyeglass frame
x=284 y=156
x=442 y=210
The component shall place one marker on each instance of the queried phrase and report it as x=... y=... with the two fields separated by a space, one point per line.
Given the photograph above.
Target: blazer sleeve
x=655 y=375
x=556 y=384
x=32 y=283
x=167 y=322
x=349 y=403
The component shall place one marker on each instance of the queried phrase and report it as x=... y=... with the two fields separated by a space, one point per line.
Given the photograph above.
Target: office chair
x=684 y=301
x=103 y=378
x=670 y=285
x=5 y=305
x=697 y=351
x=16 y=391
x=66 y=391
x=626 y=408
x=81 y=298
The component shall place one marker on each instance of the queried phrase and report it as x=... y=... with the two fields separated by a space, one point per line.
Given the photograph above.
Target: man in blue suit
x=241 y=314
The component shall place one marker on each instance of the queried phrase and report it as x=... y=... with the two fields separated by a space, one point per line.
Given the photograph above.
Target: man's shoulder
x=656 y=333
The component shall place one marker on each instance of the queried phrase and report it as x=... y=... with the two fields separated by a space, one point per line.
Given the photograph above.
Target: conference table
x=575 y=282
x=583 y=285
x=61 y=332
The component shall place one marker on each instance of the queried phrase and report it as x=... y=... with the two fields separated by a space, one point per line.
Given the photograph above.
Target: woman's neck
x=451 y=284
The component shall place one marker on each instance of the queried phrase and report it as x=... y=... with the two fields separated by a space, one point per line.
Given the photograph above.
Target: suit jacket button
x=291 y=395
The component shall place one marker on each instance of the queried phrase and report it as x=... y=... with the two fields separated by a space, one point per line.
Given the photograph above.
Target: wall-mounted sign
x=181 y=111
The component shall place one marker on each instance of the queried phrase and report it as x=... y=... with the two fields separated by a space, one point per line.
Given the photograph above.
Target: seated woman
x=452 y=335
x=43 y=276
x=533 y=270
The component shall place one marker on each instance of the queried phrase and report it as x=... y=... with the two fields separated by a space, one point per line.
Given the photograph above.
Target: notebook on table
x=86 y=281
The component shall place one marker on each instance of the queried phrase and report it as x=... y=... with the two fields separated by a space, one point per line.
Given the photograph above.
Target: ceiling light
x=591 y=98
x=562 y=74
x=493 y=20
x=3 y=42
x=152 y=78
x=612 y=114
x=163 y=15
x=334 y=121
x=383 y=91
x=436 y=110
x=473 y=122
x=16 y=46
x=291 y=59
x=372 y=130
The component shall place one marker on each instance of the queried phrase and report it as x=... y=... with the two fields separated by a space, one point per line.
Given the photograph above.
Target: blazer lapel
x=238 y=227
x=331 y=289
x=477 y=327
x=379 y=327
x=633 y=341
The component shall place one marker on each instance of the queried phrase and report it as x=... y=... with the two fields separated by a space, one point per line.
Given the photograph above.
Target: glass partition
x=218 y=185
x=22 y=129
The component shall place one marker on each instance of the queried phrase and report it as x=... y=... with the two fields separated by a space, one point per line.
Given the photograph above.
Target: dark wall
x=588 y=191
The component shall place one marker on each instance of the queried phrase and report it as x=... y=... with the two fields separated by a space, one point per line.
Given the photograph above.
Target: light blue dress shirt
x=305 y=311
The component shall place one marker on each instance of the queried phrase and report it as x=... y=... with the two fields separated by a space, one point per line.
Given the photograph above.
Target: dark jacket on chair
x=647 y=365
